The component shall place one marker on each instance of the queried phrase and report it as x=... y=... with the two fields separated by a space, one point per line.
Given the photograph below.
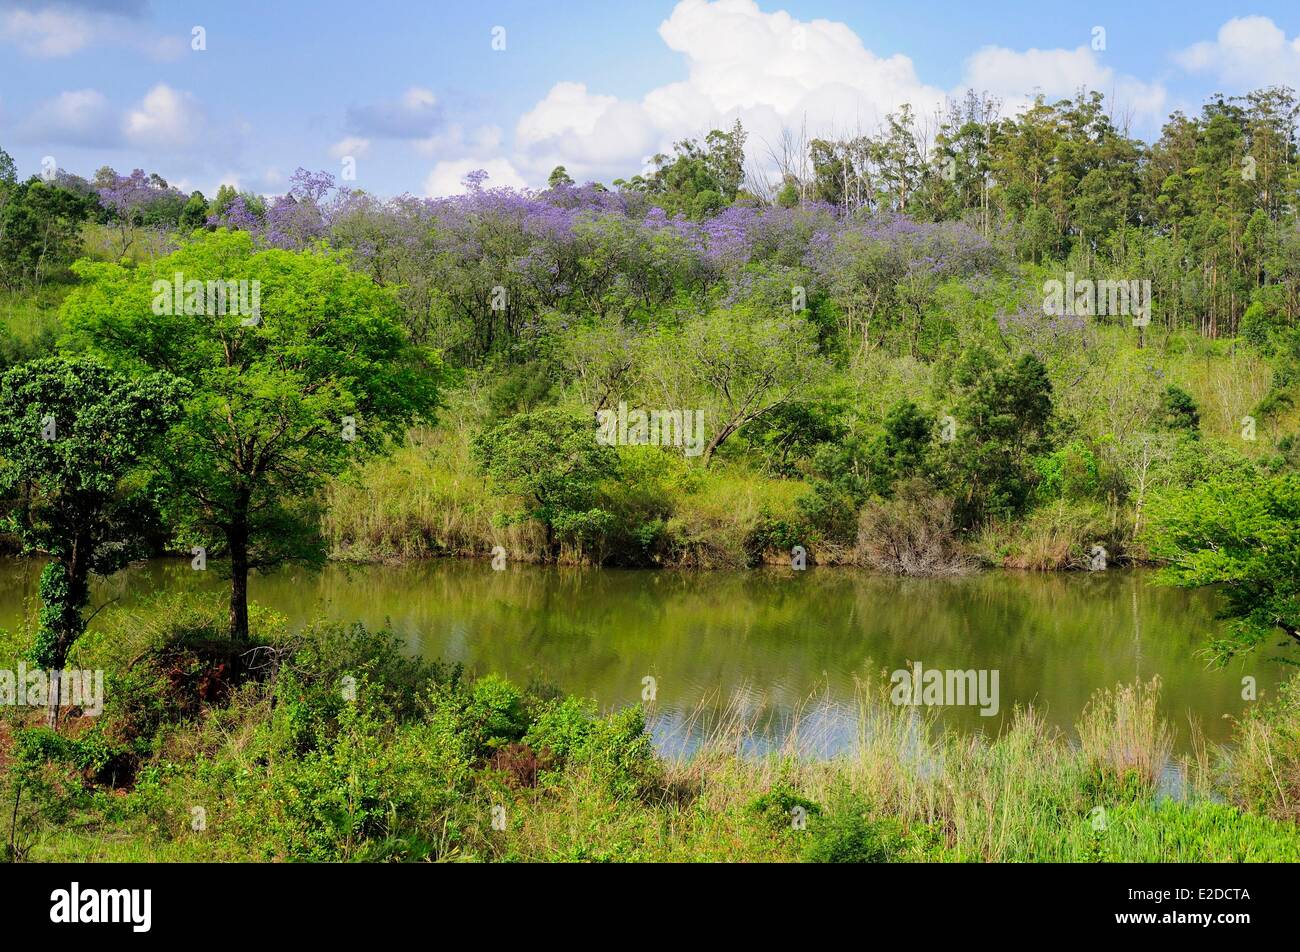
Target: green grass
x=29 y=323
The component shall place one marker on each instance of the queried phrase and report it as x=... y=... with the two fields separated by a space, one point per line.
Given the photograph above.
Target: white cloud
x=777 y=73
x=768 y=69
x=352 y=145
x=62 y=29
x=1251 y=51
x=166 y=119
x=447 y=178
x=81 y=117
x=46 y=33
x=1015 y=76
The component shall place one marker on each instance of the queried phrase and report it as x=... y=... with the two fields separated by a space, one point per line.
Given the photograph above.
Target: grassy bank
x=331 y=745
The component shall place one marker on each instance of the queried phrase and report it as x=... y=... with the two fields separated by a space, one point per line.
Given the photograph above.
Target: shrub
x=776 y=807
x=366 y=793
x=912 y=534
x=849 y=835
x=1068 y=473
x=615 y=748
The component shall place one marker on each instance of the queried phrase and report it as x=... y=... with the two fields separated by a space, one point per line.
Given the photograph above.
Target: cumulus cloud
x=447 y=178
x=352 y=145
x=166 y=119
x=767 y=69
x=80 y=117
x=776 y=73
x=57 y=28
x=1250 y=51
x=416 y=114
x=1016 y=76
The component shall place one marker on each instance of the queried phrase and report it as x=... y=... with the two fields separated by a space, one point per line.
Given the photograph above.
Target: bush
x=369 y=792
x=1069 y=473
x=776 y=807
x=849 y=835
x=912 y=534
x=615 y=748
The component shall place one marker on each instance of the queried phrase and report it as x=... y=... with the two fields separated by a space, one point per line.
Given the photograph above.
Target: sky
x=408 y=97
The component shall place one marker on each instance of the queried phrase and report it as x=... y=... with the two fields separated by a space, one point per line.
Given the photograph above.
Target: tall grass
x=1265 y=762
x=424 y=500
x=1123 y=736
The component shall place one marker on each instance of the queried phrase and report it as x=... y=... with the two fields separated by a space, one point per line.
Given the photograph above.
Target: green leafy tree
x=901 y=449
x=72 y=438
x=194 y=214
x=1243 y=536
x=40 y=231
x=551 y=459
x=697 y=179
x=747 y=364
x=1178 y=411
x=1001 y=418
x=305 y=385
x=8 y=171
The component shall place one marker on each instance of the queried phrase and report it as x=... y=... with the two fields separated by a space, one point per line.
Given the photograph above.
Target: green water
x=771 y=643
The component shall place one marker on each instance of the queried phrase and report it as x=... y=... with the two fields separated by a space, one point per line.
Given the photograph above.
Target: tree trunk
x=237 y=538
x=52 y=702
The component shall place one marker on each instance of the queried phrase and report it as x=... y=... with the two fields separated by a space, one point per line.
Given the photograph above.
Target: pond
x=776 y=646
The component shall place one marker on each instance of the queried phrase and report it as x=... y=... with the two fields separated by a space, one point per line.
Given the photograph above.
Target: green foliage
x=748 y=365
x=353 y=797
x=791 y=433
x=71 y=441
x=272 y=394
x=1244 y=536
x=697 y=179
x=616 y=748
x=902 y=449
x=194 y=214
x=1265 y=774
x=519 y=389
x=552 y=459
x=1179 y=412
x=848 y=834
x=1071 y=472
x=40 y=231
x=776 y=807
x=1002 y=417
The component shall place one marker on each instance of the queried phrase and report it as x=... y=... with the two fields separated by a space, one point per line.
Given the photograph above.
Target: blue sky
x=415 y=94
